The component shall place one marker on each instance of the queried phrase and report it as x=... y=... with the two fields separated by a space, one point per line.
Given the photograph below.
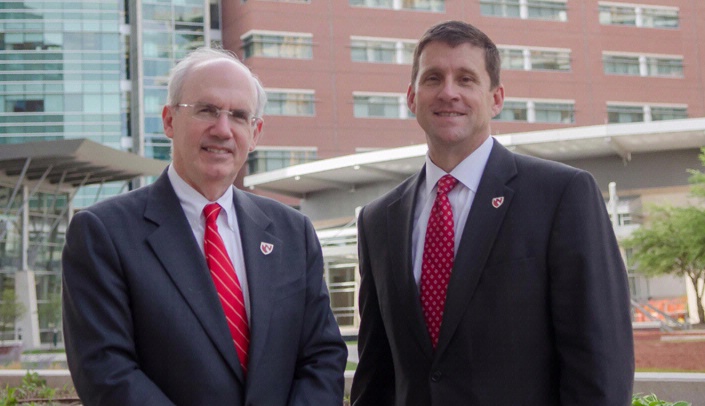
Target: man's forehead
x=220 y=75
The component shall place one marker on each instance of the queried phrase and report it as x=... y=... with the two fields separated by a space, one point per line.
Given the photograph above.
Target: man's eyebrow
x=240 y=113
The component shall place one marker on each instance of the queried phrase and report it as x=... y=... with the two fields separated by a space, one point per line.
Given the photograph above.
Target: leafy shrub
x=33 y=391
x=652 y=400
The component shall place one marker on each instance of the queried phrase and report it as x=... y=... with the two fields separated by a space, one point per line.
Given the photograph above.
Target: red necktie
x=226 y=283
x=437 y=258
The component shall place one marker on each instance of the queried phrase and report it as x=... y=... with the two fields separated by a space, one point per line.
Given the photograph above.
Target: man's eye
x=208 y=110
x=238 y=115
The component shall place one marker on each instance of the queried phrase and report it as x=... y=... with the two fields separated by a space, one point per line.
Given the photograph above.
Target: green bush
x=33 y=391
x=652 y=400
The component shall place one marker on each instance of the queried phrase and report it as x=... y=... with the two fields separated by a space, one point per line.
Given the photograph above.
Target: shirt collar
x=193 y=202
x=468 y=171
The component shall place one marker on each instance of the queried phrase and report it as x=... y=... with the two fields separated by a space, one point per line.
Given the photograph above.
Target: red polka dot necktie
x=226 y=283
x=438 y=258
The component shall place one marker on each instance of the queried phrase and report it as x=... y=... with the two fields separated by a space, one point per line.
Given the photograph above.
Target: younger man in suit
x=189 y=291
x=489 y=278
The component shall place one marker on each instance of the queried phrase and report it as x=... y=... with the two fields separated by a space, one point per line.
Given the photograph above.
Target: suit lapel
x=483 y=224
x=173 y=243
x=262 y=269
x=400 y=215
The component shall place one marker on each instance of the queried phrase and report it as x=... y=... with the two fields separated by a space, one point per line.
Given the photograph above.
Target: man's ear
x=497 y=100
x=256 y=135
x=167 y=121
x=411 y=98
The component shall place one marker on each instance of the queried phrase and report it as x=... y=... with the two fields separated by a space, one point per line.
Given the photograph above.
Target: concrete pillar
x=25 y=288
x=26 y=291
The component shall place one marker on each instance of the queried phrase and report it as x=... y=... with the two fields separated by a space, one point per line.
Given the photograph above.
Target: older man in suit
x=189 y=291
x=489 y=278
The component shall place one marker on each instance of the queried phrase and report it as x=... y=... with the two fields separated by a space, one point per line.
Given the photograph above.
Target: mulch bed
x=673 y=353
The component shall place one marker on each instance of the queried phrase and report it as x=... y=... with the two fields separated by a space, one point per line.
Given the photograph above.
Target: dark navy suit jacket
x=144 y=326
x=537 y=309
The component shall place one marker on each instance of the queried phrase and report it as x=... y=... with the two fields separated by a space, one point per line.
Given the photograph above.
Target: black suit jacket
x=537 y=309
x=143 y=324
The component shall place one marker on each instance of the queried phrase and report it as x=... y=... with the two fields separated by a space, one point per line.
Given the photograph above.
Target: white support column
x=28 y=324
x=531 y=111
x=24 y=237
x=526 y=53
x=523 y=9
x=25 y=288
x=137 y=76
x=643 y=68
x=647 y=114
x=639 y=12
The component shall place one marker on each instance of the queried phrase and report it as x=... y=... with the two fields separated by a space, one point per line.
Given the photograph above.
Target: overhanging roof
x=70 y=163
x=619 y=140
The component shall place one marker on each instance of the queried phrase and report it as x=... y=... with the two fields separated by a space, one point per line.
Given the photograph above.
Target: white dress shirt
x=468 y=173
x=192 y=202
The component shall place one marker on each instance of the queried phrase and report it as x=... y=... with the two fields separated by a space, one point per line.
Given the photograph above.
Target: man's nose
x=222 y=125
x=448 y=91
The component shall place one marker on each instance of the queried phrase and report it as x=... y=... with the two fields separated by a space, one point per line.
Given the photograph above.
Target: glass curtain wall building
x=92 y=69
x=61 y=69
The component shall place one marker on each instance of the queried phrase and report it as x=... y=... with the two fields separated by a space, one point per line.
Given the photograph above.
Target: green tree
x=697 y=178
x=10 y=310
x=673 y=240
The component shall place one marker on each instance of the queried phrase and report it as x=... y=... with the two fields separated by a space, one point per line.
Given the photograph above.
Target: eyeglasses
x=210 y=113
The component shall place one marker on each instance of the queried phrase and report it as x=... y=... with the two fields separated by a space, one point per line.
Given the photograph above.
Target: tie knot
x=446 y=184
x=211 y=212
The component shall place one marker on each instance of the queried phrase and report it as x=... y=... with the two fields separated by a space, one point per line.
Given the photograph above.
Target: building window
x=550 y=60
x=563 y=113
x=512 y=59
x=555 y=10
x=380 y=105
x=639 y=15
x=24 y=106
x=632 y=113
x=668 y=113
x=278 y=45
x=437 y=6
x=659 y=18
x=534 y=111
x=378 y=50
x=621 y=65
x=625 y=114
x=214 y=8
x=340 y=278
x=513 y=111
x=642 y=65
x=535 y=59
x=424 y=5
x=373 y=3
x=265 y=159
x=500 y=8
x=286 y=102
x=617 y=15
x=664 y=67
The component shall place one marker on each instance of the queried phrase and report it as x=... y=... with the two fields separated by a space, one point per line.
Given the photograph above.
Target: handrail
x=666 y=323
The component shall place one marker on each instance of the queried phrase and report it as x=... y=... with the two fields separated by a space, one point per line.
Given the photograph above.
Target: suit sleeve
x=322 y=356
x=589 y=300
x=373 y=383
x=97 y=319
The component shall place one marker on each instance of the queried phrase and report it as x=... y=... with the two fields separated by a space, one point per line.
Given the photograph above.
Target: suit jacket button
x=436 y=376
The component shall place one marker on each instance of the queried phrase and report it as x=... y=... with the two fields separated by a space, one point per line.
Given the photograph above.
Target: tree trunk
x=694 y=279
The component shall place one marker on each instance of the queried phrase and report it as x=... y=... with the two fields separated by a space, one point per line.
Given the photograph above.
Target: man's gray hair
x=178 y=74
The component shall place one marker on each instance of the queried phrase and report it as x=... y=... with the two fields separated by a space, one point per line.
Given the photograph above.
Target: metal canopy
x=618 y=140
x=69 y=164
